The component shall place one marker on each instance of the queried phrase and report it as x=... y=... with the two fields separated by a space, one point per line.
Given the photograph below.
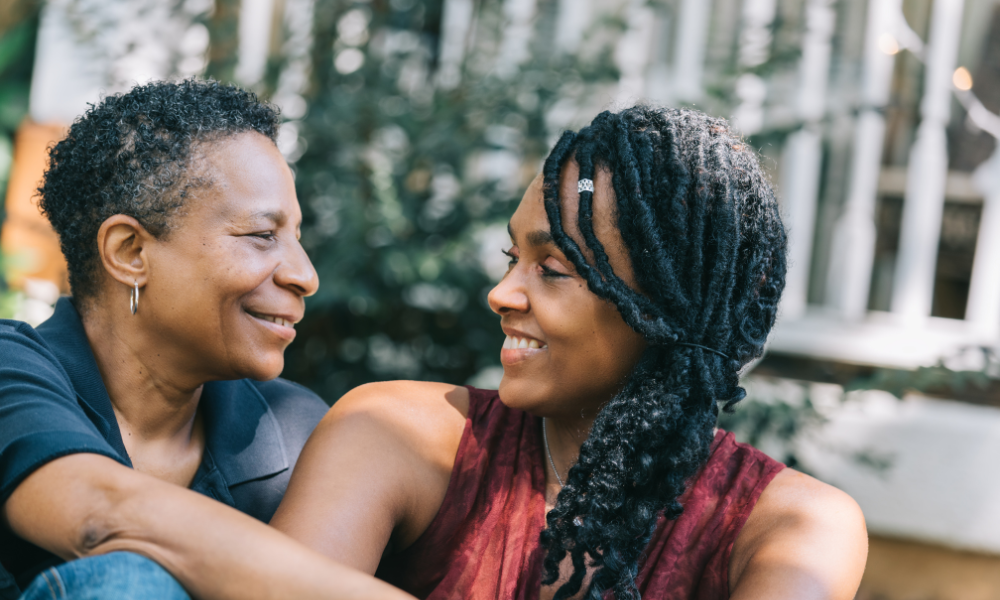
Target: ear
x=122 y=242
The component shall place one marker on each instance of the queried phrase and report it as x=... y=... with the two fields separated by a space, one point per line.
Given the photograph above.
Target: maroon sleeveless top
x=484 y=542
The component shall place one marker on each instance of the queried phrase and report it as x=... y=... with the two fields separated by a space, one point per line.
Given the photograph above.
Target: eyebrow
x=539 y=237
x=277 y=217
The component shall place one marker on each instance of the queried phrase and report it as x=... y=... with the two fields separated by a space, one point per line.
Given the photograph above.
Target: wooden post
x=572 y=24
x=689 y=51
x=293 y=80
x=983 y=309
x=515 y=49
x=754 y=50
x=632 y=53
x=456 y=23
x=920 y=230
x=853 y=251
x=255 y=24
x=803 y=156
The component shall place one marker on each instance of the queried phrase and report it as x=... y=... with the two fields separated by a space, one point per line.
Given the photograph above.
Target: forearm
x=216 y=552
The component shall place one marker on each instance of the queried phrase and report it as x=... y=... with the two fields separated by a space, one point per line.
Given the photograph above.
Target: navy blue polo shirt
x=53 y=403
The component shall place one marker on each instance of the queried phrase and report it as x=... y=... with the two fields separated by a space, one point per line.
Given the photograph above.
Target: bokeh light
x=888 y=44
x=962 y=79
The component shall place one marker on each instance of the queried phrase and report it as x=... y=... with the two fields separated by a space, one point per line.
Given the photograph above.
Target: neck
x=152 y=398
x=565 y=436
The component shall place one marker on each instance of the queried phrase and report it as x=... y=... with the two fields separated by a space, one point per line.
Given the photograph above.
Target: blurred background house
x=414 y=125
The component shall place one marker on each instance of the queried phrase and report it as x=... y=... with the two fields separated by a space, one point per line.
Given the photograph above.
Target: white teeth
x=275 y=320
x=515 y=343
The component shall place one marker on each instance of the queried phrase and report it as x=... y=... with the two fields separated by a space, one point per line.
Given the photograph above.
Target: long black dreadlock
x=706 y=242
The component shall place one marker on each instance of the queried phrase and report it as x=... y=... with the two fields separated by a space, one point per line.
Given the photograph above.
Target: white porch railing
x=842 y=328
x=905 y=336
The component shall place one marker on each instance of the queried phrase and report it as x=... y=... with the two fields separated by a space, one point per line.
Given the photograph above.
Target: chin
x=263 y=368
x=522 y=394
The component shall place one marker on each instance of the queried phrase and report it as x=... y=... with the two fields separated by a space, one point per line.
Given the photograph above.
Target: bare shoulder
x=404 y=403
x=428 y=417
x=375 y=471
x=421 y=392
x=795 y=495
x=803 y=524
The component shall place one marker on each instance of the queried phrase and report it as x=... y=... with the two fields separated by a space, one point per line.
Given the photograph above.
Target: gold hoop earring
x=133 y=303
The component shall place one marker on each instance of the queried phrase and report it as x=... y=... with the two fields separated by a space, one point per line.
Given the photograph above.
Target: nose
x=509 y=295
x=296 y=272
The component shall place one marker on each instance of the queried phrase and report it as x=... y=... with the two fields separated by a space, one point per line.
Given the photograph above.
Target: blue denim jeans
x=115 y=576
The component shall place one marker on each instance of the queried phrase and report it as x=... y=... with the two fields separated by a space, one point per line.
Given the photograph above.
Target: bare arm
x=375 y=471
x=804 y=540
x=84 y=504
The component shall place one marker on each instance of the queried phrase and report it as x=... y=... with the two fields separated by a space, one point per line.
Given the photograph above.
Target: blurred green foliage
x=10 y=301
x=407 y=186
x=17 y=48
x=778 y=413
x=223 y=23
x=775 y=413
x=936 y=380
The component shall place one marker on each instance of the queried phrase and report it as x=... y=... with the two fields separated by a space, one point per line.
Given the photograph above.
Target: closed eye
x=511 y=256
x=549 y=272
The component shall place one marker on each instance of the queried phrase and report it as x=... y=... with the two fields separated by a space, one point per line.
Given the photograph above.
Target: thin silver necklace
x=548 y=453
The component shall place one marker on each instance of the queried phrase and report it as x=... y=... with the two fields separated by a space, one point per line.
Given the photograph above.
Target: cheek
x=231 y=266
x=613 y=350
x=591 y=352
x=207 y=280
x=592 y=344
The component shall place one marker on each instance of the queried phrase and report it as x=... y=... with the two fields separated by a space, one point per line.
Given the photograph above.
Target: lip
x=284 y=332
x=512 y=356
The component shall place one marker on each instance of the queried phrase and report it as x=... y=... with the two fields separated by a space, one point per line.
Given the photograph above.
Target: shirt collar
x=241 y=431
x=66 y=338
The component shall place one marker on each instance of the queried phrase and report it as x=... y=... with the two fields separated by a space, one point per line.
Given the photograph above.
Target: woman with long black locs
x=646 y=265
x=710 y=270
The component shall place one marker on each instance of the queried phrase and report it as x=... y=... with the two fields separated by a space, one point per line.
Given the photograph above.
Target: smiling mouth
x=515 y=343
x=275 y=320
